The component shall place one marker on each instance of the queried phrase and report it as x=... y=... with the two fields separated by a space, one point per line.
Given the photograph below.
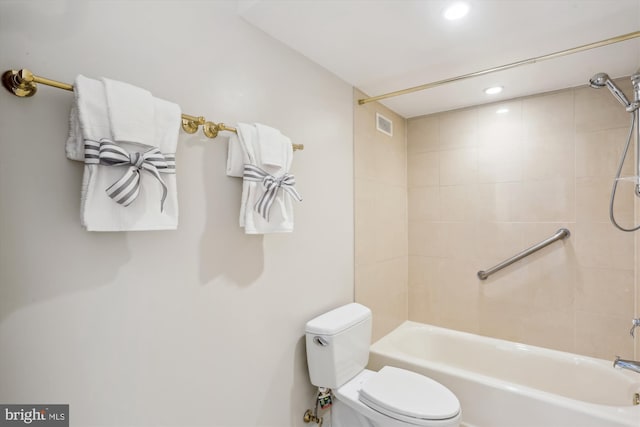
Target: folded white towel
x=273 y=146
x=236 y=157
x=166 y=125
x=267 y=190
x=131 y=112
x=90 y=123
x=89 y=117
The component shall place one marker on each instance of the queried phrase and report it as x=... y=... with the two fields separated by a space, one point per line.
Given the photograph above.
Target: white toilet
x=337 y=353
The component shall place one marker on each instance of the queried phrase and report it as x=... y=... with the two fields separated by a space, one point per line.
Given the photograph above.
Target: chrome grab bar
x=560 y=234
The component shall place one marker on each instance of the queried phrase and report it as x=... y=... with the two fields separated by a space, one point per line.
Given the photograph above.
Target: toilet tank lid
x=338 y=319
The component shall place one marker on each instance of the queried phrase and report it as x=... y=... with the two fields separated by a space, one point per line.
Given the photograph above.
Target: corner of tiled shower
x=637 y=278
x=381 y=229
x=479 y=187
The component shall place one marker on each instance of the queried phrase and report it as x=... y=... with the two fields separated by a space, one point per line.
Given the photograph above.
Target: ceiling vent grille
x=384 y=124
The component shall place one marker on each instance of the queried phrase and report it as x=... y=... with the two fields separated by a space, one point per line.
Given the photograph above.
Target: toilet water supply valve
x=323 y=400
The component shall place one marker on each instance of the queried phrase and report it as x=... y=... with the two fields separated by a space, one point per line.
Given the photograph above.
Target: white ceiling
x=381 y=46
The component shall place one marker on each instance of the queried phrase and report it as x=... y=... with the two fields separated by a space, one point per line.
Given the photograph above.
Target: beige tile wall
x=381 y=271
x=637 y=285
x=483 y=186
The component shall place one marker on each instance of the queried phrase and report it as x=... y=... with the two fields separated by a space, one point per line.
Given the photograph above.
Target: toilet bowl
x=398 y=405
x=337 y=353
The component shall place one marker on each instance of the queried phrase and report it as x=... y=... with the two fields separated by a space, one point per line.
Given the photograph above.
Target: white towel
x=236 y=157
x=280 y=214
x=131 y=112
x=91 y=120
x=273 y=146
x=89 y=117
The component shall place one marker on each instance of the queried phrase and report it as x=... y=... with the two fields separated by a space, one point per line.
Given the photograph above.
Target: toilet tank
x=338 y=345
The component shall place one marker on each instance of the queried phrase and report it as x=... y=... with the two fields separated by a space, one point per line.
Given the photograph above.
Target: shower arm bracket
x=633 y=107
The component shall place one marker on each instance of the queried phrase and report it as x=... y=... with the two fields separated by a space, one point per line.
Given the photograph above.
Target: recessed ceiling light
x=493 y=90
x=456 y=11
x=502 y=110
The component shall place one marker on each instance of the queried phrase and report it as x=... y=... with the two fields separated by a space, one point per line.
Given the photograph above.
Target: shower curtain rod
x=558 y=54
x=23 y=83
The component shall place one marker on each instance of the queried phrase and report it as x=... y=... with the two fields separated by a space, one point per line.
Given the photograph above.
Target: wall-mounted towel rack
x=560 y=234
x=23 y=83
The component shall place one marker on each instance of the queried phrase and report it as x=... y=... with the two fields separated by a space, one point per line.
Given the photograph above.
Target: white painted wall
x=201 y=326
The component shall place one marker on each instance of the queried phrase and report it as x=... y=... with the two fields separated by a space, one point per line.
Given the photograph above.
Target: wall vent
x=384 y=124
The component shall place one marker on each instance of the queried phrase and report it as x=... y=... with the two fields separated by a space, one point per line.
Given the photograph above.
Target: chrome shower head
x=601 y=80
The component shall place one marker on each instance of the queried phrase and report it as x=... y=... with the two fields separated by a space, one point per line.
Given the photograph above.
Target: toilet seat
x=408 y=396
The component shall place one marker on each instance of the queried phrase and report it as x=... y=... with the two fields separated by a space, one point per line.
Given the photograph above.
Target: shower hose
x=619 y=172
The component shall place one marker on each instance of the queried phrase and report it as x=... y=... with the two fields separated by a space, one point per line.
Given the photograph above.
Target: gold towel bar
x=23 y=83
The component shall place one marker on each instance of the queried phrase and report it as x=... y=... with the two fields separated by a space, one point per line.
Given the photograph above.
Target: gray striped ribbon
x=125 y=190
x=271 y=185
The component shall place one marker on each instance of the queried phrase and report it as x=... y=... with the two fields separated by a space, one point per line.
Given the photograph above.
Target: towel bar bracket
x=23 y=83
x=20 y=83
x=191 y=124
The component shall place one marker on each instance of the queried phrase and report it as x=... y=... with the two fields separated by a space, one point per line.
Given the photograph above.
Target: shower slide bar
x=563 y=233
x=23 y=83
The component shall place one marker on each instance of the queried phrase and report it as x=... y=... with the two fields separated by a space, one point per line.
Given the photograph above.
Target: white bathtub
x=505 y=384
